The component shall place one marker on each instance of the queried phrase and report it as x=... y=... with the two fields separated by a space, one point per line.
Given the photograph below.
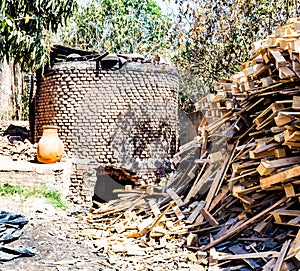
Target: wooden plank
x=276 y=129
x=189 y=145
x=212 y=254
x=283 y=252
x=262 y=154
x=178 y=212
x=281 y=120
x=245 y=191
x=257 y=255
x=280 y=177
x=217 y=182
x=279 y=59
x=289 y=190
x=153 y=224
x=247 y=86
x=291 y=144
x=224 y=191
x=285 y=212
x=235 y=192
x=237 y=249
x=198 y=185
x=260 y=71
x=262 y=116
x=296 y=102
x=149 y=190
x=280 y=152
x=264 y=151
x=266 y=81
x=241 y=166
x=295 y=246
x=291 y=135
x=285 y=72
x=235 y=230
x=290 y=113
x=175 y=197
x=154 y=207
x=253 y=69
x=211 y=220
x=192 y=173
x=279 y=137
x=268 y=114
x=261 y=226
x=268 y=166
x=269 y=265
x=192 y=239
x=195 y=212
x=204 y=142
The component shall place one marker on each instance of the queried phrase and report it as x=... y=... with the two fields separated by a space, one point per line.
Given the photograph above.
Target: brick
x=104 y=107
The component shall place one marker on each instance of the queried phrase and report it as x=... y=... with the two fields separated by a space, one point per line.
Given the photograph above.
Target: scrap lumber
x=237 y=183
x=195 y=213
x=234 y=231
x=238 y=250
x=198 y=185
x=280 y=259
x=280 y=177
x=266 y=167
x=266 y=254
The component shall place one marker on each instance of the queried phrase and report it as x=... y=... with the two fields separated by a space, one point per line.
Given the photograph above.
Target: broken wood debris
x=15 y=144
x=238 y=178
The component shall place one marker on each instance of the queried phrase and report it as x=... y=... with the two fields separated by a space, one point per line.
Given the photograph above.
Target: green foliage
x=191 y=90
x=26 y=29
x=53 y=196
x=118 y=26
x=213 y=38
x=24 y=106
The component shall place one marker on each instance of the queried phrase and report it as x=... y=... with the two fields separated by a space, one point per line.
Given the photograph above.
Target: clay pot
x=50 y=148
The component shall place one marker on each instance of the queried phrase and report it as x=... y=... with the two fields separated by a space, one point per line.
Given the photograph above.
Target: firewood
x=236 y=230
x=280 y=259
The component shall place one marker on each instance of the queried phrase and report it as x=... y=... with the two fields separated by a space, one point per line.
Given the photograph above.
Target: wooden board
x=280 y=177
x=266 y=167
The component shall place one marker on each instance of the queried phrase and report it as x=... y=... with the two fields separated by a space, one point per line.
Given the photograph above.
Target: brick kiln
x=116 y=116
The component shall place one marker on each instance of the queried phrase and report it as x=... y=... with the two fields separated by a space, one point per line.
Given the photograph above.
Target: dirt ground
x=51 y=233
x=55 y=235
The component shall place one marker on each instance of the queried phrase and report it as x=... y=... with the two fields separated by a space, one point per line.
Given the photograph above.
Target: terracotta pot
x=50 y=148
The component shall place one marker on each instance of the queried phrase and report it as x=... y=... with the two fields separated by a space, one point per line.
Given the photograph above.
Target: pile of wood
x=234 y=199
x=14 y=143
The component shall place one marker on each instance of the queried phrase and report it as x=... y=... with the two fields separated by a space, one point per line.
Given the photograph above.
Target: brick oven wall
x=126 y=118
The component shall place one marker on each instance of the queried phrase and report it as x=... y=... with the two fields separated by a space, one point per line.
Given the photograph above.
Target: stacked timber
x=234 y=198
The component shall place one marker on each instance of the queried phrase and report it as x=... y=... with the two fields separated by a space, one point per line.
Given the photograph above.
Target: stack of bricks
x=126 y=118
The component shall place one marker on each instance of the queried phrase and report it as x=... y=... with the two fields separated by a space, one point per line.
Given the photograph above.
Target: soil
x=57 y=236
x=52 y=233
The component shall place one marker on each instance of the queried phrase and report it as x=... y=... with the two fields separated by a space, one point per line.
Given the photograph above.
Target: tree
x=118 y=26
x=27 y=27
x=216 y=35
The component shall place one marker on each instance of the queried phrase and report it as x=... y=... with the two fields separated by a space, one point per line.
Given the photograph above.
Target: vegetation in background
x=24 y=106
x=206 y=39
x=51 y=195
x=212 y=38
x=118 y=26
x=27 y=27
